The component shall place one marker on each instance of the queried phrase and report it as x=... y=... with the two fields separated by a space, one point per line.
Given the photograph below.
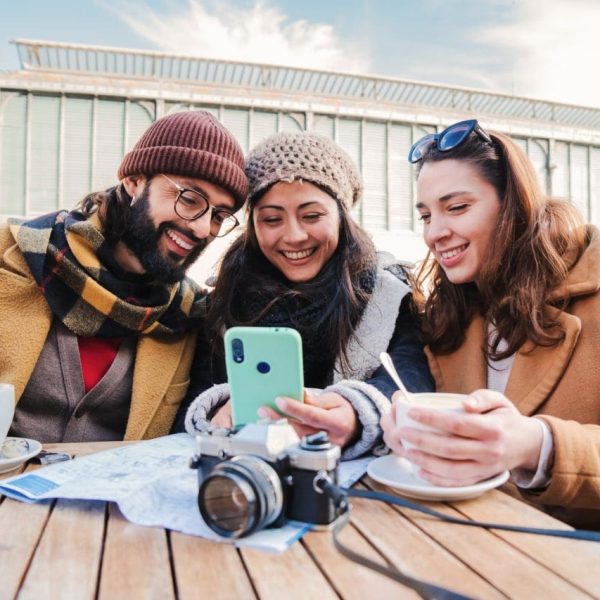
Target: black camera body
x=262 y=475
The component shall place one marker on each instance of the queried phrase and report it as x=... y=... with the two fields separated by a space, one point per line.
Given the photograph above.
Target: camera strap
x=576 y=534
x=425 y=589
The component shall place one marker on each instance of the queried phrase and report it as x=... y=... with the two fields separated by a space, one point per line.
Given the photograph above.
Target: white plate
x=396 y=472
x=29 y=450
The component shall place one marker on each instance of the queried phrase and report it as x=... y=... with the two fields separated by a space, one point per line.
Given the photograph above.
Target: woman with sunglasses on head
x=512 y=318
x=303 y=262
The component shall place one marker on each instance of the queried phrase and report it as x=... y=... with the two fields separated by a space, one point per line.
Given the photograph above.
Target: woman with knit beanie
x=303 y=262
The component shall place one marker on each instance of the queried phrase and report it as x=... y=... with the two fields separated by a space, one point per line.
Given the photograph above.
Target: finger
x=266 y=412
x=453 y=448
x=482 y=401
x=480 y=427
x=460 y=472
x=309 y=415
x=223 y=417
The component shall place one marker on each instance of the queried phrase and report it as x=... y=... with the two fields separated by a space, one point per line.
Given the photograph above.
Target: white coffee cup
x=438 y=401
x=7 y=409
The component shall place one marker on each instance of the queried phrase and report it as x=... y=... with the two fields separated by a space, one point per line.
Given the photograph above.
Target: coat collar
x=534 y=374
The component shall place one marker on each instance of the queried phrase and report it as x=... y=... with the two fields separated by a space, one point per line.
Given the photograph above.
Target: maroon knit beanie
x=192 y=144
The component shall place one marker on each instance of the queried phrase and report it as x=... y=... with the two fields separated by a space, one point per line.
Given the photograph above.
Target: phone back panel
x=262 y=363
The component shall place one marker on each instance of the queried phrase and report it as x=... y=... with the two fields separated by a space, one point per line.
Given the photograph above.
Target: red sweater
x=96 y=355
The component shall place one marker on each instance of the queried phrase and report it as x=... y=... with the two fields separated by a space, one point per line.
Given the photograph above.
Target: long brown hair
x=245 y=266
x=113 y=206
x=536 y=241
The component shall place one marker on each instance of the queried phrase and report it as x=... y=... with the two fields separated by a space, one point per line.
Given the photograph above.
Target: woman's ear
x=134 y=184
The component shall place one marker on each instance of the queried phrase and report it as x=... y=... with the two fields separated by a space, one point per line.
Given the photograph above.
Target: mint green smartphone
x=262 y=363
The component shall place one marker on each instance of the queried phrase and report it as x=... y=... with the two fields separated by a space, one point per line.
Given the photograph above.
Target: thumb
x=309 y=398
x=482 y=401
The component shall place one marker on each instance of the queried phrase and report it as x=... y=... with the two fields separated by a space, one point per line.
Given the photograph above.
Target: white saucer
x=26 y=449
x=396 y=472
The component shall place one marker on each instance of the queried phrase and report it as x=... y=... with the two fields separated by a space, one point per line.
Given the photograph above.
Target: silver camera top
x=270 y=440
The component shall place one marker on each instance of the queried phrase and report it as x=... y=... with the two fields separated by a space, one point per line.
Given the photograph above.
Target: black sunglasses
x=448 y=139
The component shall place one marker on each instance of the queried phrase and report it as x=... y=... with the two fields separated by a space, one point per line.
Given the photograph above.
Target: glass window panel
x=579 y=178
x=109 y=142
x=560 y=170
x=138 y=120
x=374 y=165
x=400 y=178
x=236 y=120
x=44 y=151
x=292 y=122
x=77 y=151
x=595 y=185
x=264 y=124
x=12 y=156
x=538 y=153
x=324 y=125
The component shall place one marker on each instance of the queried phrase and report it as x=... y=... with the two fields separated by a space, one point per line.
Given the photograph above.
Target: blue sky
x=540 y=48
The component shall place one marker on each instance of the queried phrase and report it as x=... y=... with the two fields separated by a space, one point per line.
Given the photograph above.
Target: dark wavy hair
x=113 y=206
x=537 y=240
x=244 y=269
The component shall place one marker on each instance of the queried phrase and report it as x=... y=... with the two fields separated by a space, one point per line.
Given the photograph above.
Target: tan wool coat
x=561 y=384
x=161 y=372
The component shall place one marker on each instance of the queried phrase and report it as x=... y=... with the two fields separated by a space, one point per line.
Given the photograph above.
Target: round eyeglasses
x=448 y=139
x=194 y=204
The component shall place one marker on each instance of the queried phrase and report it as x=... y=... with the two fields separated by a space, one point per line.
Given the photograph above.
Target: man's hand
x=325 y=412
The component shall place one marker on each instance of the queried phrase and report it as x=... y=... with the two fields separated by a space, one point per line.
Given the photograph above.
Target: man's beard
x=142 y=238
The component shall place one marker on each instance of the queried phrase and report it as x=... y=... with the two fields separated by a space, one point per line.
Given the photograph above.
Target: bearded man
x=99 y=321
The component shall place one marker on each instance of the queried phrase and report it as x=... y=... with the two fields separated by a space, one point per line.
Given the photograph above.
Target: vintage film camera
x=262 y=475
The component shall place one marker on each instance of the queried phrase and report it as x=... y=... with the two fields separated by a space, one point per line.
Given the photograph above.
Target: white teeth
x=298 y=255
x=453 y=252
x=178 y=240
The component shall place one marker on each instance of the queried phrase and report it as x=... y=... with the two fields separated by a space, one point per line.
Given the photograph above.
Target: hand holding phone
x=262 y=364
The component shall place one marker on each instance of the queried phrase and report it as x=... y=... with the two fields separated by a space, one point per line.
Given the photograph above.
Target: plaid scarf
x=89 y=292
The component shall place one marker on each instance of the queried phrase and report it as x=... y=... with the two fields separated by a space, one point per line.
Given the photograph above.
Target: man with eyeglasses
x=99 y=321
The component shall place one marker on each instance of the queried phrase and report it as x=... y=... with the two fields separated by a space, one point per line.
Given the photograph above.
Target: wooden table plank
x=292 y=574
x=67 y=559
x=479 y=548
x=21 y=526
x=576 y=561
x=414 y=553
x=208 y=569
x=352 y=581
x=136 y=561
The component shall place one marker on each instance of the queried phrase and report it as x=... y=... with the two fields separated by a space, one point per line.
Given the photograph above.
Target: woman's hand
x=325 y=412
x=491 y=436
x=223 y=416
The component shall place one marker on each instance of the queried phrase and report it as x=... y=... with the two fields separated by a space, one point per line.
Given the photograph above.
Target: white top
x=498 y=373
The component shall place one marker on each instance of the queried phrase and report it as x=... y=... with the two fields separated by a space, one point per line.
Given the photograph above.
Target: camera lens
x=239 y=496
x=237 y=347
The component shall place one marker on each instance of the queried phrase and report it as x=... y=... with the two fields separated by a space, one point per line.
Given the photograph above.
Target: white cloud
x=556 y=50
x=261 y=33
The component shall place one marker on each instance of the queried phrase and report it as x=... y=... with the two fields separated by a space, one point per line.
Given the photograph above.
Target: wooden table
x=81 y=549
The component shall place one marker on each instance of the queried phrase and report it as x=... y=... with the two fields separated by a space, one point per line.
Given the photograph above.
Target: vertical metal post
x=93 y=144
x=61 y=154
x=27 y=160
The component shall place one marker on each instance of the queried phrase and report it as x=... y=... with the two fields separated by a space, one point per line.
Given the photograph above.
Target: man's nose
x=201 y=227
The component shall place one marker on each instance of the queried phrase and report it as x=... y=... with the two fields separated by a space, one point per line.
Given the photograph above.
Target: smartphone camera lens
x=237 y=348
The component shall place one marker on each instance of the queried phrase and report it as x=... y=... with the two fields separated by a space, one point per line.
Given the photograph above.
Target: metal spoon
x=386 y=361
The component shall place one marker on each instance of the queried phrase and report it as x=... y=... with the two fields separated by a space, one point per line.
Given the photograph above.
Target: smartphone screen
x=262 y=363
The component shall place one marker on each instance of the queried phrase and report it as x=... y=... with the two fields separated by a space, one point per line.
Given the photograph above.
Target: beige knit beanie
x=307 y=156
